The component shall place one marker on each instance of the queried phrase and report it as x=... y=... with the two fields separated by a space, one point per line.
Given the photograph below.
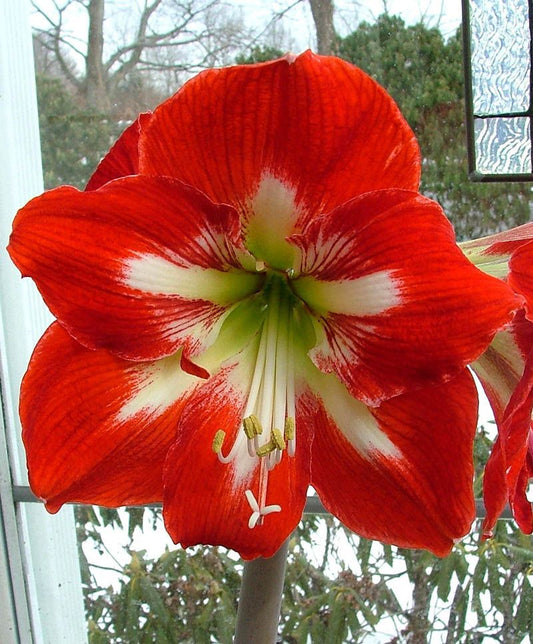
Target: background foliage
x=424 y=74
x=339 y=588
x=73 y=138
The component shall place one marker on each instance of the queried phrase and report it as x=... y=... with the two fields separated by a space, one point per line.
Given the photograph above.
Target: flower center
x=268 y=423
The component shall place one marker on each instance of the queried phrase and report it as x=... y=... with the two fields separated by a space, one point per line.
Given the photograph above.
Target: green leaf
x=387 y=554
x=337 y=617
x=363 y=554
x=446 y=571
x=478 y=586
x=524 y=618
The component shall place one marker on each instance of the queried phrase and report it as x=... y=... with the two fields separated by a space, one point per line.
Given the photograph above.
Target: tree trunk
x=95 y=86
x=326 y=38
x=419 y=626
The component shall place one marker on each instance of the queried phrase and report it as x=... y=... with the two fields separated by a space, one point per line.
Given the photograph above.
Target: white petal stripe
x=353 y=418
x=155 y=387
x=156 y=275
x=367 y=295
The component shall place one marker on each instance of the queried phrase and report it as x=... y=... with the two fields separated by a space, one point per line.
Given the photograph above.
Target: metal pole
x=260 y=599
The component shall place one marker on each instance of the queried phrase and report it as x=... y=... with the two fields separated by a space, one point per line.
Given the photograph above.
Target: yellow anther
x=276 y=437
x=252 y=426
x=218 y=441
x=276 y=442
x=290 y=428
x=265 y=449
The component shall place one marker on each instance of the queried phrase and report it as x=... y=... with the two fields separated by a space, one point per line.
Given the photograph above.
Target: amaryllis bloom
x=252 y=298
x=506 y=373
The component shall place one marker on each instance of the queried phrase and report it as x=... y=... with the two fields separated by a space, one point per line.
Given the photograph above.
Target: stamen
x=289 y=428
x=279 y=403
x=257 y=377
x=265 y=449
x=277 y=438
x=276 y=442
x=270 y=403
x=252 y=429
x=290 y=423
x=274 y=458
x=268 y=380
x=252 y=426
x=218 y=441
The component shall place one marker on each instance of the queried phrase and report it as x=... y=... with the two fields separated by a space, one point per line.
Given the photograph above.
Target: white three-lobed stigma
x=258 y=512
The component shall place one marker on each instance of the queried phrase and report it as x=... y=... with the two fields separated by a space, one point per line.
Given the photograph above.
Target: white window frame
x=40 y=583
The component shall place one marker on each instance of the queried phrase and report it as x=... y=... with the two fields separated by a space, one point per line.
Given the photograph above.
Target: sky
x=446 y=14
x=298 y=23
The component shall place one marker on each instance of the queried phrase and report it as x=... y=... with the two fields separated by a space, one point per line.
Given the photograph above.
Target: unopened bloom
x=253 y=298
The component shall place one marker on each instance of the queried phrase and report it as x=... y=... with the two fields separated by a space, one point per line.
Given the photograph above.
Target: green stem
x=260 y=599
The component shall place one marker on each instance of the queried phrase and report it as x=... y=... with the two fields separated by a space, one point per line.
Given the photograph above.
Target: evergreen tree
x=423 y=73
x=73 y=139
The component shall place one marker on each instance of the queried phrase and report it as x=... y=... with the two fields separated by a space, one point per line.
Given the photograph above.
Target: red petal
x=204 y=500
x=97 y=428
x=501 y=366
x=495 y=491
x=521 y=274
x=319 y=125
x=395 y=296
x=123 y=158
x=521 y=506
x=516 y=443
x=141 y=266
x=504 y=243
x=507 y=383
x=400 y=473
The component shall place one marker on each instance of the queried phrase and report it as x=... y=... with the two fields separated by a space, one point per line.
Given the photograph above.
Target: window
x=39 y=570
x=497 y=45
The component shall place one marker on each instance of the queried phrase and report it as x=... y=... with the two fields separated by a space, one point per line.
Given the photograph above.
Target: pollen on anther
x=218 y=441
x=290 y=428
x=252 y=426
x=276 y=442
x=277 y=439
x=265 y=449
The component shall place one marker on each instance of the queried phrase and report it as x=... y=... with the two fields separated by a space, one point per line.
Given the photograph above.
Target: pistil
x=269 y=414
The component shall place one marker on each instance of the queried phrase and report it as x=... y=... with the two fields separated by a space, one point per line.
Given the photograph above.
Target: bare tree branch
x=53 y=41
x=170 y=36
x=142 y=41
x=276 y=17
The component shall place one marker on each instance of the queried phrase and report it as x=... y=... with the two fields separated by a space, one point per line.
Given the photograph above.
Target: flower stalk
x=260 y=599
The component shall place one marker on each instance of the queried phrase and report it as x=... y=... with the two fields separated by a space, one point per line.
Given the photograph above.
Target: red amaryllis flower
x=506 y=372
x=266 y=303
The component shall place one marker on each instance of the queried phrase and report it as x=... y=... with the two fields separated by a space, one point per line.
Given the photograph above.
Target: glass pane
x=503 y=145
x=500 y=56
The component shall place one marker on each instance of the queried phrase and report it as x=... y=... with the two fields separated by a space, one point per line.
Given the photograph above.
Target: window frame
x=41 y=596
x=472 y=117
